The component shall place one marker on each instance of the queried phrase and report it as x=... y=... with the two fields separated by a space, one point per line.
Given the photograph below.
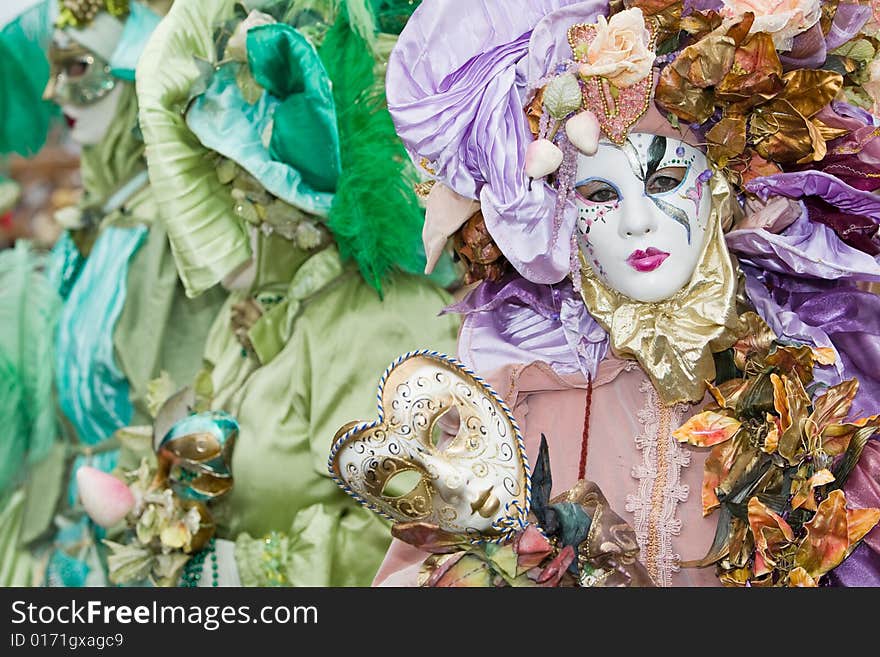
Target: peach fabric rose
x=621 y=51
x=783 y=19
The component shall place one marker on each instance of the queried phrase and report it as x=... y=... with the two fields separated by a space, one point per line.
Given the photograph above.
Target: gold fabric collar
x=674 y=339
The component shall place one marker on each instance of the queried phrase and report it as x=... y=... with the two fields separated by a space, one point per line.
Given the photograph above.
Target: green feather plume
x=29 y=308
x=376 y=217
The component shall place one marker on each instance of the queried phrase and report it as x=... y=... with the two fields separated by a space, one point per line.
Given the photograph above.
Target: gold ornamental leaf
x=800 y=578
x=779 y=133
x=798 y=361
x=738 y=577
x=771 y=441
x=727 y=139
x=791 y=441
x=825 y=355
x=827 y=132
x=770 y=531
x=717 y=467
x=701 y=23
x=832 y=407
x=705 y=63
x=809 y=90
x=707 y=429
x=757 y=342
x=802 y=489
x=836 y=437
x=827 y=541
x=859 y=522
x=755 y=75
x=675 y=95
x=780 y=403
x=728 y=394
x=741 y=544
x=820 y=148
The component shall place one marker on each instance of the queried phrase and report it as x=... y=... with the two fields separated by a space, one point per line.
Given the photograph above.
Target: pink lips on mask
x=645 y=261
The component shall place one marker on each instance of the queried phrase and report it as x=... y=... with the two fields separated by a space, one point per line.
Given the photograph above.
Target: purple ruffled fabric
x=515 y=321
x=805 y=249
x=825 y=314
x=457 y=82
x=810 y=49
x=863 y=491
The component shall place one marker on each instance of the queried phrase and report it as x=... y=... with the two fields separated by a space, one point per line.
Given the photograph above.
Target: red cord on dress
x=585 y=438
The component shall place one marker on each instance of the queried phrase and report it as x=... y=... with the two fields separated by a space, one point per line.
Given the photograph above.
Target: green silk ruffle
x=207 y=239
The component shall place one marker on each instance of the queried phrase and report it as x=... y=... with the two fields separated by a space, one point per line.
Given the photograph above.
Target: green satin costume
x=313 y=358
x=157 y=329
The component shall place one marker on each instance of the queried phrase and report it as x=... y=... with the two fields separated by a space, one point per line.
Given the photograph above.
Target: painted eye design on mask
x=596 y=190
x=665 y=180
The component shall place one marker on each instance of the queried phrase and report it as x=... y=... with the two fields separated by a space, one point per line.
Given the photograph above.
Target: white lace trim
x=659 y=486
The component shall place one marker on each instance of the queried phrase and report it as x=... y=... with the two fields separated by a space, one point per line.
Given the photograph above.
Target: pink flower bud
x=105 y=498
x=583 y=131
x=543 y=157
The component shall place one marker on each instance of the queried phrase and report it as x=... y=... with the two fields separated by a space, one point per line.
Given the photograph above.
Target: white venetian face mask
x=82 y=86
x=643 y=209
x=472 y=481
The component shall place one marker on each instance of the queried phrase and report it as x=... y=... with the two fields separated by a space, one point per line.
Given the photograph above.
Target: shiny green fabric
x=160 y=329
x=208 y=240
x=323 y=547
x=304 y=135
x=112 y=162
x=341 y=340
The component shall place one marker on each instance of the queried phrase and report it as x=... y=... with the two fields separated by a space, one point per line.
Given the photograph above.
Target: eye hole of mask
x=445 y=428
x=598 y=191
x=401 y=483
x=665 y=180
x=77 y=67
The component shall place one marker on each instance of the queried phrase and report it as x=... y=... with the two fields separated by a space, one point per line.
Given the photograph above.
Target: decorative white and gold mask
x=473 y=481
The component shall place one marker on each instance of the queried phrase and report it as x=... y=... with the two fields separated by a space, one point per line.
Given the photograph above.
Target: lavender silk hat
x=457 y=84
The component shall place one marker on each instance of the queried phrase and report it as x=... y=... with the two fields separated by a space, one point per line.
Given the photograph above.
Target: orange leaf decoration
x=728 y=394
x=824 y=355
x=771 y=534
x=717 y=467
x=707 y=429
x=794 y=361
x=803 y=489
x=836 y=437
x=755 y=77
x=832 y=407
x=800 y=578
x=833 y=534
x=771 y=442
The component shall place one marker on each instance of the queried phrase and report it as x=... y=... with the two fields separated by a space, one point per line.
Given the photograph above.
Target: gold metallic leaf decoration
x=782 y=456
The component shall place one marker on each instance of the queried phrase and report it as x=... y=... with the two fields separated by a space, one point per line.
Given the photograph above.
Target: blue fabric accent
x=92 y=390
x=64 y=569
x=222 y=111
x=64 y=265
x=138 y=28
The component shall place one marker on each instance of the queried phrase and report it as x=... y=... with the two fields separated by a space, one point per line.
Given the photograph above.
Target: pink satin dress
x=649 y=479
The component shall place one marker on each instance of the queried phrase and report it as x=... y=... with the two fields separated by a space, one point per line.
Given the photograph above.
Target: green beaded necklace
x=192 y=571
